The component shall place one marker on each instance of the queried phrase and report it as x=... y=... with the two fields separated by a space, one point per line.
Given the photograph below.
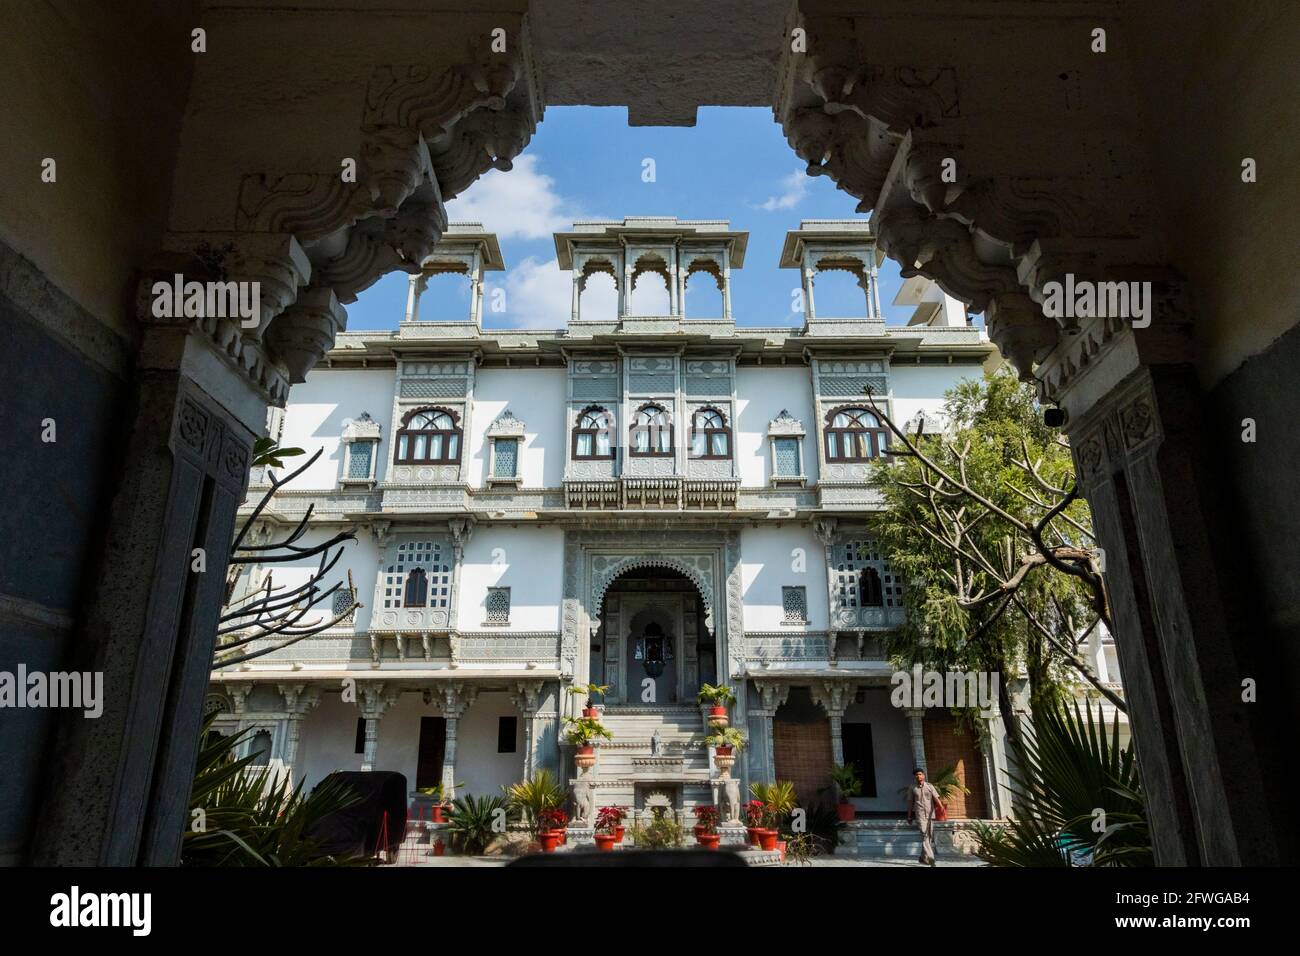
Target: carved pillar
x=726 y=283
x=809 y=311
x=1142 y=461
x=575 y=303
x=834 y=698
x=300 y=700
x=527 y=699
x=375 y=702
x=771 y=694
x=456 y=699
x=916 y=733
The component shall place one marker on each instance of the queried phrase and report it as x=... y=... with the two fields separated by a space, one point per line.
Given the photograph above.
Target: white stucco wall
x=315 y=414
x=481 y=770
x=772 y=558
x=761 y=394
x=918 y=388
x=537 y=398
x=328 y=739
x=529 y=561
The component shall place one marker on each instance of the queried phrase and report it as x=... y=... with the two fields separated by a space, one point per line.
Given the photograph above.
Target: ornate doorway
x=653 y=648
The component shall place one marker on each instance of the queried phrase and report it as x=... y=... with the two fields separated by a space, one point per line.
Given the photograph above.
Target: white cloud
x=539 y=295
x=519 y=204
x=795 y=189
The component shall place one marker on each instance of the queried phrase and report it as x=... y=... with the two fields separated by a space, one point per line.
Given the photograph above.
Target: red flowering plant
x=553 y=819
x=754 y=813
x=608 y=819
x=707 y=817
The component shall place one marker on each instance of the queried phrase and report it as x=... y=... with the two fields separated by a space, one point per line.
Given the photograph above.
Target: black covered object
x=356 y=829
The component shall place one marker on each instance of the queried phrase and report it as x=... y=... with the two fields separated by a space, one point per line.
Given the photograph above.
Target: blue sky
x=586 y=163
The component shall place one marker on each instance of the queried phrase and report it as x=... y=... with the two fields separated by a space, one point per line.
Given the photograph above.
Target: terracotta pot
x=564 y=836
x=590 y=712
x=780 y=848
x=585 y=756
x=722 y=750
x=845 y=811
x=439 y=848
x=766 y=838
x=549 y=839
x=718 y=716
x=437 y=813
x=619 y=831
x=752 y=834
x=940 y=812
x=699 y=830
x=708 y=840
x=606 y=841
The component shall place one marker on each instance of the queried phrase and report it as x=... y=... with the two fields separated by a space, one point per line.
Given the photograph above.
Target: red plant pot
x=767 y=838
x=940 y=812
x=722 y=750
x=606 y=841
x=619 y=831
x=709 y=841
x=549 y=840
x=718 y=710
x=780 y=848
x=590 y=712
x=437 y=814
x=845 y=811
x=564 y=836
x=439 y=848
x=752 y=834
x=585 y=756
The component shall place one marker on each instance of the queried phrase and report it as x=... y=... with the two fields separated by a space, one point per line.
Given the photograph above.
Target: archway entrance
x=652 y=647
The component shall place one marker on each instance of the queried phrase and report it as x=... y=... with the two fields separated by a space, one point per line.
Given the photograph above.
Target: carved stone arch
x=602 y=580
x=705 y=263
x=651 y=262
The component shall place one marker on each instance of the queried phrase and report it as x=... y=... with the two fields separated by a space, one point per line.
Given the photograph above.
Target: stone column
x=771 y=695
x=834 y=698
x=300 y=700
x=414 y=289
x=576 y=302
x=916 y=731
x=527 y=699
x=726 y=283
x=375 y=702
x=456 y=699
x=117 y=788
x=809 y=310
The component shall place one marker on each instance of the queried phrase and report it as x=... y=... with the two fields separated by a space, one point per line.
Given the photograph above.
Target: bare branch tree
x=271 y=612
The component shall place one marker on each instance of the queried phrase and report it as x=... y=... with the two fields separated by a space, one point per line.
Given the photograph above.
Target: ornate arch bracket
x=698 y=569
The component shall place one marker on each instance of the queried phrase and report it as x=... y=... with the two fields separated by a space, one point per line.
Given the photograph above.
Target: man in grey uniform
x=922 y=802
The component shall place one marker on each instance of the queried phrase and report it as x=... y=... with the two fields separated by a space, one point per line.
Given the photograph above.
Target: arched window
x=591 y=434
x=870 y=593
x=854 y=434
x=652 y=432
x=428 y=436
x=416 y=593
x=710 y=436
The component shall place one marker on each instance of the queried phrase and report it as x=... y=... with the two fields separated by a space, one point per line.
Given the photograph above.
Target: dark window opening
x=359 y=746
x=433 y=742
x=859 y=752
x=507 y=731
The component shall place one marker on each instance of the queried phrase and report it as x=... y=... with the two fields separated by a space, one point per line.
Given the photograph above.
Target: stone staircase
x=898 y=839
x=626 y=762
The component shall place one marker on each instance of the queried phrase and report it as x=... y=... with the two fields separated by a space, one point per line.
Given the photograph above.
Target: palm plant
x=530 y=798
x=726 y=737
x=846 y=781
x=721 y=695
x=948 y=784
x=474 y=822
x=254 y=818
x=582 y=731
x=779 y=801
x=1081 y=800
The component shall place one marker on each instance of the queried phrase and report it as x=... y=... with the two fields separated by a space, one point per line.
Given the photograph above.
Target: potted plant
x=753 y=820
x=531 y=798
x=725 y=741
x=949 y=785
x=609 y=827
x=779 y=801
x=706 y=826
x=616 y=816
x=718 y=698
x=551 y=835
x=848 y=785
x=589 y=691
x=438 y=802
x=582 y=733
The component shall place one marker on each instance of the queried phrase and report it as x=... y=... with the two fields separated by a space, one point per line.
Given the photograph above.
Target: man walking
x=922 y=802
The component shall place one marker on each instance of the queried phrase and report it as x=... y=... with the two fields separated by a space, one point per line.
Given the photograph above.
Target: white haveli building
x=646 y=502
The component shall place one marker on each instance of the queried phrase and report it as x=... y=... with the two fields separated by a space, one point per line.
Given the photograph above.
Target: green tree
x=984 y=523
